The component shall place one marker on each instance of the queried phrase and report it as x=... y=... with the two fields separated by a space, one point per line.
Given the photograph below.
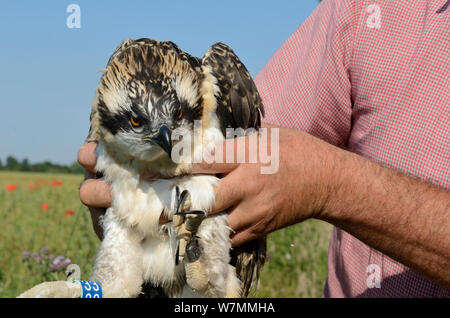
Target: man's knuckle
x=206 y=166
x=86 y=156
x=84 y=194
x=81 y=155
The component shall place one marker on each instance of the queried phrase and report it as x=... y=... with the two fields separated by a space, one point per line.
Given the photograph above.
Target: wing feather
x=239 y=105
x=238 y=102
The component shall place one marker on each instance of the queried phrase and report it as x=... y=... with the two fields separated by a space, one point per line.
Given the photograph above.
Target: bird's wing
x=238 y=102
x=238 y=106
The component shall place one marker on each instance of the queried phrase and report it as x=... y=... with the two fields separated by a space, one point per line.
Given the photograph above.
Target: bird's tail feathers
x=248 y=260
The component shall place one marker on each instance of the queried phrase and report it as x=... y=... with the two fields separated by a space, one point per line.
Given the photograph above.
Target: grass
x=296 y=268
x=297 y=265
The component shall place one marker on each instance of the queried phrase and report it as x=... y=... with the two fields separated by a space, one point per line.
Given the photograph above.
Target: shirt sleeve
x=306 y=84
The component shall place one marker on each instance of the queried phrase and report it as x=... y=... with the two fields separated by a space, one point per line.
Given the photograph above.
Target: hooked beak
x=164 y=140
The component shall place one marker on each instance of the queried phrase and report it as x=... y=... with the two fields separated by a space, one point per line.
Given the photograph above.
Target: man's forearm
x=401 y=217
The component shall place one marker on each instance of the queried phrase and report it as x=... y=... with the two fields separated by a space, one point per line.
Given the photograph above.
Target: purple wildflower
x=58 y=260
x=26 y=255
x=36 y=257
x=44 y=250
x=67 y=262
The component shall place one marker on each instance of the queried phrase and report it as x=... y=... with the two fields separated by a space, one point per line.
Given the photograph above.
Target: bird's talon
x=193 y=251
x=183 y=200
x=177 y=253
x=187 y=222
x=194 y=212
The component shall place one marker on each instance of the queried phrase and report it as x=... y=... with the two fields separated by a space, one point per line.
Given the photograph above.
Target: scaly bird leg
x=186 y=223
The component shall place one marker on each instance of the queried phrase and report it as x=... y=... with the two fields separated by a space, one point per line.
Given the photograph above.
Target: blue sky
x=49 y=72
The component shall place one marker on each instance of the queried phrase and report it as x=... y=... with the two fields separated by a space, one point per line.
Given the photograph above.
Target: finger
x=240 y=217
x=223 y=159
x=237 y=221
x=228 y=192
x=150 y=176
x=213 y=168
x=245 y=224
x=86 y=156
x=95 y=193
x=242 y=237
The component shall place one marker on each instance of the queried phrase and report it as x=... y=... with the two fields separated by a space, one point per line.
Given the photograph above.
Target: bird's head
x=148 y=93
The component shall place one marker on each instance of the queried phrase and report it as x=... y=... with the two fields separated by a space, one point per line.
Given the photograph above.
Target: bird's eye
x=135 y=122
x=180 y=114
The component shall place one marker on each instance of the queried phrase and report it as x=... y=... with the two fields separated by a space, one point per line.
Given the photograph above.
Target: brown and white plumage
x=149 y=90
x=238 y=103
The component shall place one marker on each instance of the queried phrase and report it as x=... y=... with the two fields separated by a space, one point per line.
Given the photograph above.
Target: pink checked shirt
x=372 y=77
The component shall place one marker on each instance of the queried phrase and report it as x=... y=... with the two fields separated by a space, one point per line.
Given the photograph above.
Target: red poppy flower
x=31 y=186
x=56 y=183
x=70 y=212
x=11 y=187
x=45 y=206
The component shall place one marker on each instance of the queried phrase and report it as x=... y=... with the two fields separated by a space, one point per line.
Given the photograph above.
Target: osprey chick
x=150 y=93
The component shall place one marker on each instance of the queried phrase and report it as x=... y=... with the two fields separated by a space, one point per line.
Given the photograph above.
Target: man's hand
x=94 y=192
x=262 y=203
x=402 y=217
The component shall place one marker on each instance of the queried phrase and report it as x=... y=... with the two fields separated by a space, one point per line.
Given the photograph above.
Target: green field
x=43 y=210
